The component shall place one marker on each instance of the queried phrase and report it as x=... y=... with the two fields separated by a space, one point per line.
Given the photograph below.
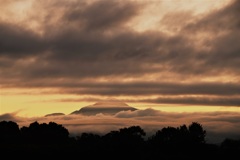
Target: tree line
x=52 y=139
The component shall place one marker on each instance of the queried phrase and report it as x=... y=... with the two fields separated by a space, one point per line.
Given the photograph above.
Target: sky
x=174 y=57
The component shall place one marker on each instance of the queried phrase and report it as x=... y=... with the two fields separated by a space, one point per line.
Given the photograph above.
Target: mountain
x=104 y=107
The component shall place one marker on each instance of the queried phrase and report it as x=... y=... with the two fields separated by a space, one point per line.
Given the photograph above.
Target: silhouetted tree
x=167 y=137
x=230 y=149
x=197 y=133
x=89 y=140
x=9 y=132
x=230 y=144
x=183 y=142
x=182 y=136
x=45 y=133
x=125 y=137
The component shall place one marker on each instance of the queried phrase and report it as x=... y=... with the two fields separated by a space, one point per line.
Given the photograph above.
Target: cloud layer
x=219 y=125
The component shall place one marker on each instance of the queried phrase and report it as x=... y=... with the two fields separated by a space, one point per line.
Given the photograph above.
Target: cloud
x=219 y=125
x=7 y=2
x=137 y=113
x=7 y=117
x=17 y=41
x=218 y=20
x=215 y=94
x=90 y=48
x=216 y=101
x=102 y=14
x=222 y=30
x=12 y=117
x=141 y=88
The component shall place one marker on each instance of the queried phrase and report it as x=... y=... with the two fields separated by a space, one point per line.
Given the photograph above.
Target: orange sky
x=176 y=56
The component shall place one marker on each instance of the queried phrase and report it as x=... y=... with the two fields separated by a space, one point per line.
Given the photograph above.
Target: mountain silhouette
x=104 y=107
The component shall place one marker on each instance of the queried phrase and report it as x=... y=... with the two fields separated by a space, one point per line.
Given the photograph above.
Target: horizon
x=219 y=125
